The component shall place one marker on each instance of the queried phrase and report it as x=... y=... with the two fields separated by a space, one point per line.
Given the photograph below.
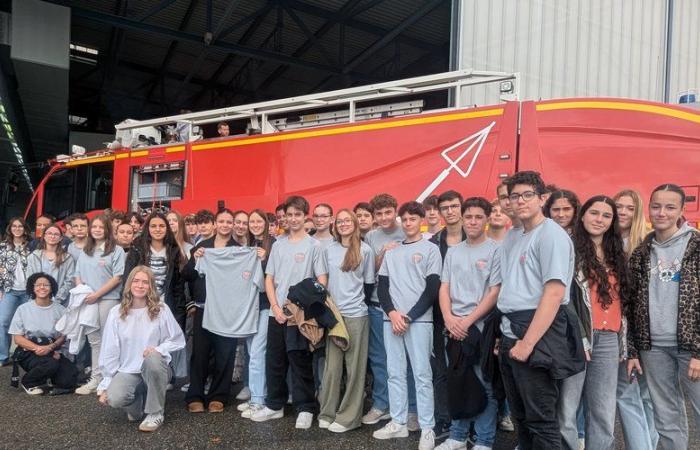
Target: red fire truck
x=357 y=146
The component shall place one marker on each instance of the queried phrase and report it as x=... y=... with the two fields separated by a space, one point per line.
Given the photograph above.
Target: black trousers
x=532 y=396
x=204 y=344
x=62 y=372
x=277 y=360
x=438 y=363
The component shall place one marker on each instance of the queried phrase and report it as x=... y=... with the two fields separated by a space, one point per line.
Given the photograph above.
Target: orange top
x=610 y=318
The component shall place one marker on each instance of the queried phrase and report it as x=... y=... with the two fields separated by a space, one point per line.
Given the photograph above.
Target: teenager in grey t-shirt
x=347 y=288
x=470 y=271
x=234 y=280
x=377 y=239
x=33 y=321
x=529 y=260
x=407 y=267
x=293 y=261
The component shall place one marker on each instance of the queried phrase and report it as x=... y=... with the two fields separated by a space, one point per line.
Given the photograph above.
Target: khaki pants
x=346 y=411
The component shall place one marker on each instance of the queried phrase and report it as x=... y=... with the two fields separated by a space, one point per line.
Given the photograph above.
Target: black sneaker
x=442 y=430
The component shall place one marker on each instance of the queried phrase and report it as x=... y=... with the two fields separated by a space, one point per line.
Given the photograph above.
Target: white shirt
x=123 y=341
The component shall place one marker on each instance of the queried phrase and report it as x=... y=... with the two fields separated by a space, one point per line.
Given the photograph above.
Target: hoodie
x=664 y=279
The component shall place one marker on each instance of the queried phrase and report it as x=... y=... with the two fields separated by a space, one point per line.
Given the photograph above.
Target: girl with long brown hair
x=13 y=265
x=140 y=336
x=100 y=266
x=350 y=265
x=52 y=258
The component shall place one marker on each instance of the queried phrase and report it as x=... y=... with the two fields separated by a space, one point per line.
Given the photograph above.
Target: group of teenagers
x=531 y=306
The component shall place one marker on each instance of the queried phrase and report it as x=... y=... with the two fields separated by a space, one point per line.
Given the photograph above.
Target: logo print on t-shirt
x=101 y=262
x=246 y=275
x=299 y=257
x=668 y=270
x=417 y=257
x=482 y=263
x=523 y=257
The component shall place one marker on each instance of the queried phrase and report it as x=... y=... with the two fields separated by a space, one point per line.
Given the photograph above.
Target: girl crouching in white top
x=137 y=341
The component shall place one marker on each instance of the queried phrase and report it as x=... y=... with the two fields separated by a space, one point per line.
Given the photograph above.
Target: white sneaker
x=304 y=421
x=243 y=406
x=152 y=422
x=335 y=427
x=169 y=387
x=390 y=431
x=244 y=395
x=266 y=414
x=412 y=422
x=185 y=387
x=481 y=447
x=248 y=413
x=36 y=390
x=452 y=444
x=88 y=388
x=581 y=443
x=323 y=424
x=427 y=439
x=375 y=415
x=506 y=424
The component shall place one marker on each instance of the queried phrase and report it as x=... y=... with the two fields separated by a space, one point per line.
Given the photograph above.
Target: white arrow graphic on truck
x=477 y=141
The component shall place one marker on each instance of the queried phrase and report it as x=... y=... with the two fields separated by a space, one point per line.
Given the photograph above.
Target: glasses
x=526 y=196
x=446 y=208
x=343 y=222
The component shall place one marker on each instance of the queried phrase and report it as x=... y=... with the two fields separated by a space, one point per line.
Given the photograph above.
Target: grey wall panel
x=567 y=48
x=685 y=48
x=40 y=33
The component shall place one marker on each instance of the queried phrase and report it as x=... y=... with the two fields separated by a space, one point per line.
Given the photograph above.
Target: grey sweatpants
x=666 y=369
x=127 y=390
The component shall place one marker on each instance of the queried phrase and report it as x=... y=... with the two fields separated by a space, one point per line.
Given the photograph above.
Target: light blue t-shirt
x=407 y=267
x=470 y=271
x=347 y=288
x=528 y=261
x=377 y=239
x=34 y=321
x=293 y=261
x=96 y=270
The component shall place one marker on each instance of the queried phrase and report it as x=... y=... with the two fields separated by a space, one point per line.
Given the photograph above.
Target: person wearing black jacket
x=449 y=204
x=205 y=342
x=157 y=249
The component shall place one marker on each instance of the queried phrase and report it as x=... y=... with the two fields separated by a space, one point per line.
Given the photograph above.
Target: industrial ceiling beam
x=424 y=10
x=155 y=9
x=130 y=24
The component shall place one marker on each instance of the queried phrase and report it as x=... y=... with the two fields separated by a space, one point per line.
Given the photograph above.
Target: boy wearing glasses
x=449 y=204
x=409 y=280
x=541 y=343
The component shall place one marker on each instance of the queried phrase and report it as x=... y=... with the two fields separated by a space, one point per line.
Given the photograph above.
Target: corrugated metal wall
x=580 y=48
x=685 y=47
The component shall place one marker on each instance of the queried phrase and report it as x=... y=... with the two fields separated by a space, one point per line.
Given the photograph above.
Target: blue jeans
x=599 y=390
x=416 y=345
x=256 y=346
x=8 y=305
x=568 y=406
x=636 y=411
x=484 y=424
x=377 y=359
x=666 y=369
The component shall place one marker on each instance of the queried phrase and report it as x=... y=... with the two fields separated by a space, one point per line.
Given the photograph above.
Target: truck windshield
x=79 y=189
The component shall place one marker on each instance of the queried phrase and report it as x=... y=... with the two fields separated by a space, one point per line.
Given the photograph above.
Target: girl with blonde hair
x=139 y=338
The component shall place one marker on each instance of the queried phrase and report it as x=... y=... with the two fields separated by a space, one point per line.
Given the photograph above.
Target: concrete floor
x=73 y=421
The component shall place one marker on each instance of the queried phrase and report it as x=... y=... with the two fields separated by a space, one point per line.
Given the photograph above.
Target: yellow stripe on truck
x=623 y=106
x=352 y=129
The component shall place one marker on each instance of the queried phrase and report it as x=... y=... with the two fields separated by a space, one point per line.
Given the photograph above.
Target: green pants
x=346 y=411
